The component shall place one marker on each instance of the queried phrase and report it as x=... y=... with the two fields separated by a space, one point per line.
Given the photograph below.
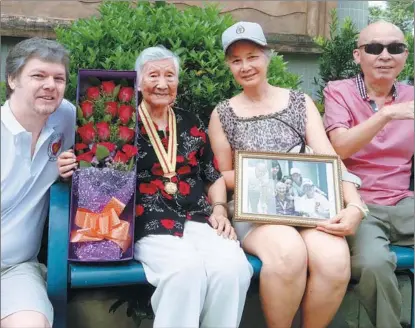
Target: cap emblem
x=240 y=29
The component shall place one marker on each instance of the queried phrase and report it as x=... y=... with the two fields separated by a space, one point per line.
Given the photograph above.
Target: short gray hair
x=43 y=49
x=155 y=53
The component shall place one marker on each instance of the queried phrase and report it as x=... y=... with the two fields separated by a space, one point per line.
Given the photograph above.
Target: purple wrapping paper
x=92 y=188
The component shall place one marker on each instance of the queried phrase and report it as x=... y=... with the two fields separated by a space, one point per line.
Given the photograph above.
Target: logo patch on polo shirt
x=55 y=146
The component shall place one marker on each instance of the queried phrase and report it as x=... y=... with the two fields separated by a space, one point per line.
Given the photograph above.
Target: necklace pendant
x=170 y=187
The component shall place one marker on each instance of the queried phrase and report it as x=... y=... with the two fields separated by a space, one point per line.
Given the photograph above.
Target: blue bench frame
x=63 y=274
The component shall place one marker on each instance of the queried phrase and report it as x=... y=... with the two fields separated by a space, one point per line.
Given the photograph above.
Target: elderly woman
x=283 y=204
x=183 y=238
x=307 y=267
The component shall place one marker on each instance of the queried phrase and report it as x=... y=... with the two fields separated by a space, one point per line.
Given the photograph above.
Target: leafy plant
x=2 y=93
x=114 y=39
x=408 y=70
x=336 y=61
x=398 y=12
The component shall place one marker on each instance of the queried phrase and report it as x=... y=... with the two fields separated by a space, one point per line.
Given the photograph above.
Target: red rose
x=103 y=131
x=125 y=133
x=109 y=145
x=87 y=157
x=130 y=150
x=167 y=223
x=139 y=210
x=202 y=134
x=92 y=93
x=184 y=170
x=126 y=94
x=192 y=158
x=156 y=169
x=179 y=159
x=87 y=133
x=108 y=87
x=184 y=188
x=194 y=131
x=80 y=146
x=158 y=183
x=120 y=157
x=111 y=107
x=87 y=108
x=148 y=188
x=125 y=112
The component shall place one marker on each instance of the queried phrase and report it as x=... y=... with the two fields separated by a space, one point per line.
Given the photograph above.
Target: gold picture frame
x=259 y=192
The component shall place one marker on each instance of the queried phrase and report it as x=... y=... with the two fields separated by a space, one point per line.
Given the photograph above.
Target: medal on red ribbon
x=167 y=159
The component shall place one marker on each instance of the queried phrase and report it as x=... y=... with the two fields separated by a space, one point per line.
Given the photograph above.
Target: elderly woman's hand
x=221 y=223
x=345 y=223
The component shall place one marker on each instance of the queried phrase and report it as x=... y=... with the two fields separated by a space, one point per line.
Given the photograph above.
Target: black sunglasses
x=377 y=48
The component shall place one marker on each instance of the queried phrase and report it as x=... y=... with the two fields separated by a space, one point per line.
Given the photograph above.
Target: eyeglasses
x=377 y=48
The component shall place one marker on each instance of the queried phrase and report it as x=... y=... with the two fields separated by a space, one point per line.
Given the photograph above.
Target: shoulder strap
x=302 y=150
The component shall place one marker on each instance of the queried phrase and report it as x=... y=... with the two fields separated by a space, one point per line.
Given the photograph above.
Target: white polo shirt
x=25 y=181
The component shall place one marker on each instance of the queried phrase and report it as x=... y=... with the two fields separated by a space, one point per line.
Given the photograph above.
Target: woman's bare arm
x=222 y=149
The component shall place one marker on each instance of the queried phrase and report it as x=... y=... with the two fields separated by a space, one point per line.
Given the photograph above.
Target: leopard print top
x=265 y=132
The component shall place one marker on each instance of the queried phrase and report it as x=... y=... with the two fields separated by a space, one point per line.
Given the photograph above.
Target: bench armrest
x=58 y=236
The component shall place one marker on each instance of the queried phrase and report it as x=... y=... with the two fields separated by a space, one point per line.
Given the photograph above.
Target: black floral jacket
x=158 y=212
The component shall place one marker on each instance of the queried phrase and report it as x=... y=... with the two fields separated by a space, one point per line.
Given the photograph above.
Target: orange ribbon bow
x=104 y=225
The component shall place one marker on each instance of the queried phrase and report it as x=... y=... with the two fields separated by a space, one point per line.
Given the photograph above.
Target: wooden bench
x=63 y=274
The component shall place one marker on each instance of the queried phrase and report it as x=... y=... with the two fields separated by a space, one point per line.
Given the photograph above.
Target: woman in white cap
x=307 y=267
x=312 y=203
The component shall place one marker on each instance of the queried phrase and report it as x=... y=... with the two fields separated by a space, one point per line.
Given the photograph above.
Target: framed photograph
x=286 y=188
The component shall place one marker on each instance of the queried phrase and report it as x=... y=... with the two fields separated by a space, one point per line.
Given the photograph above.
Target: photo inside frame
x=292 y=188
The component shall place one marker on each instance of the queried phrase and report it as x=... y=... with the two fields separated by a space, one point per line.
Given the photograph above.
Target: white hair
x=155 y=53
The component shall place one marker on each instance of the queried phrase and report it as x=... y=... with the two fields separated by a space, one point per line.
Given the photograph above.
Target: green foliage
x=398 y=12
x=336 y=61
x=2 y=93
x=278 y=74
x=115 y=38
x=408 y=71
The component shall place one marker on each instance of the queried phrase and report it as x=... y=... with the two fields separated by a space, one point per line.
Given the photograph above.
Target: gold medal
x=170 y=187
x=167 y=159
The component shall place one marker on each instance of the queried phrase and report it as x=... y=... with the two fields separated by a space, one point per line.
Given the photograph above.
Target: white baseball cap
x=295 y=170
x=307 y=182
x=243 y=31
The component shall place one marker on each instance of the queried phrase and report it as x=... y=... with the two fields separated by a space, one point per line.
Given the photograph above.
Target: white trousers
x=201 y=279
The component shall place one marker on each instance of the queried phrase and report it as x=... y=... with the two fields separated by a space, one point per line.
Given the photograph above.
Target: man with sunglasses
x=369 y=120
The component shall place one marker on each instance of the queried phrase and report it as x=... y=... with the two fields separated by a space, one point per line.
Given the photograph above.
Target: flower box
x=102 y=209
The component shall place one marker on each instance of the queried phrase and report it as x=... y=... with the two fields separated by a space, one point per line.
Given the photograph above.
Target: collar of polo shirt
x=13 y=125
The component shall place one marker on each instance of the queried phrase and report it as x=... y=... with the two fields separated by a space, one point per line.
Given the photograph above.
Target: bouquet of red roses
x=102 y=202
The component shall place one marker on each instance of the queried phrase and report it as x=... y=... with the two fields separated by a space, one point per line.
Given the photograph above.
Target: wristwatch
x=350 y=177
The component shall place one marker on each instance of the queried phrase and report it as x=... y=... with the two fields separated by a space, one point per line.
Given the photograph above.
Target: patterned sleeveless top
x=265 y=132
